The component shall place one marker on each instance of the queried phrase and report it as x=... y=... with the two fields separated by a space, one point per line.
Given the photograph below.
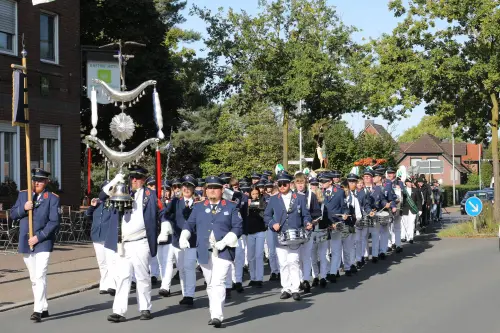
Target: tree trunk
x=494 y=149
x=285 y=139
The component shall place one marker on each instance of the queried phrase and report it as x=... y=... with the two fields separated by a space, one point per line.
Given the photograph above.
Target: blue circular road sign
x=473 y=206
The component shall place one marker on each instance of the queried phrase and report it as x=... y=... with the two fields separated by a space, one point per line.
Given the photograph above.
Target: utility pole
x=479 y=166
x=300 y=138
x=453 y=157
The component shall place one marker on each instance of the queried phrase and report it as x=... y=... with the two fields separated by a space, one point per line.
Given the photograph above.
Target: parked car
x=484 y=195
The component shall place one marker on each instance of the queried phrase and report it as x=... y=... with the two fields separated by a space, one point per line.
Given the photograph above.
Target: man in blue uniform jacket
x=99 y=213
x=217 y=224
x=288 y=210
x=46 y=218
x=367 y=208
x=139 y=242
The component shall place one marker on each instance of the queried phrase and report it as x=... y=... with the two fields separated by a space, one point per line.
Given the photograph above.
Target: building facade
x=52 y=40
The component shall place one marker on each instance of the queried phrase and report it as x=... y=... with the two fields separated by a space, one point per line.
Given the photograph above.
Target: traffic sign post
x=474 y=207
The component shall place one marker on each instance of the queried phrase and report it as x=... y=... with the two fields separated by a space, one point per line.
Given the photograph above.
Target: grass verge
x=486 y=227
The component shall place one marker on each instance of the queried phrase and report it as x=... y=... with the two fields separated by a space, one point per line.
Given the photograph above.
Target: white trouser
x=288 y=259
x=336 y=248
x=154 y=267
x=351 y=247
x=135 y=262
x=384 y=238
x=186 y=265
x=215 y=273
x=408 y=222
x=272 y=243
x=391 y=238
x=165 y=273
x=37 y=264
x=361 y=243
x=103 y=256
x=229 y=276
x=375 y=231
x=255 y=255
x=397 y=230
x=239 y=259
x=305 y=260
x=319 y=250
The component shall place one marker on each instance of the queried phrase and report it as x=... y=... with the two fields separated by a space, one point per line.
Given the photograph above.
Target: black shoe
x=217 y=323
x=36 y=317
x=251 y=283
x=301 y=286
x=389 y=249
x=394 y=246
x=187 y=301
x=45 y=314
x=307 y=287
x=359 y=265
x=404 y=240
x=145 y=315
x=315 y=282
x=296 y=296
x=258 y=284
x=112 y=291
x=285 y=295
x=353 y=269
x=164 y=293
x=381 y=256
x=399 y=249
x=322 y=283
x=228 y=293
x=133 y=286
x=116 y=318
x=364 y=260
x=338 y=274
x=273 y=277
x=238 y=287
x=154 y=280
x=348 y=273
x=411 y=242
x=103 y=292
x=332 y=278
x=374 y=260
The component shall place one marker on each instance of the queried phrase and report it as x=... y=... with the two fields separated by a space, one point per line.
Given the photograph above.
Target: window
x=9 y=153
x=50 y=151
x=8 y=26
x=49 y=32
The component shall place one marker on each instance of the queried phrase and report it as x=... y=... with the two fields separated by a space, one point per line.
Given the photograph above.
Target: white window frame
x=56 y=38
x=8 y=128
x=57 y=153
x=16 y=33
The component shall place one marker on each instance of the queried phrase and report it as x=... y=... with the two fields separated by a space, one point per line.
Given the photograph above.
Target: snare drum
x=384 y=218
x=293 y=237
x=320 y=236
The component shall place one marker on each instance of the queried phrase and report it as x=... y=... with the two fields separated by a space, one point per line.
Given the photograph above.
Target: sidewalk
x=72 y=268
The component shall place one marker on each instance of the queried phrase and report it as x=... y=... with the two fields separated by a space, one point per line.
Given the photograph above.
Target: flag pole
x=24 y=69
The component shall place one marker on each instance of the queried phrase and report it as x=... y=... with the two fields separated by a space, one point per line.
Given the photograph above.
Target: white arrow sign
x=475 y=208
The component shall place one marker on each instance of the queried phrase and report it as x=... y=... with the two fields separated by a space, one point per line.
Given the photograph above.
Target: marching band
x=308 y=228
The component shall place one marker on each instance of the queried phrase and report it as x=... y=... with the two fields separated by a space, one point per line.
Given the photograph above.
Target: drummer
x=355 y=212
x=306 y=248
x=285 y=212
x=365 y=199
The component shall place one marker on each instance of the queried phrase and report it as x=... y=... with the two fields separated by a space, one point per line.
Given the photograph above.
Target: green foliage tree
x=442 y=53
x=428 y=125
x=291 y=50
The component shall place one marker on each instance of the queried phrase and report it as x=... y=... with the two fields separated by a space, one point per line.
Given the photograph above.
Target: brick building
x=52 y=38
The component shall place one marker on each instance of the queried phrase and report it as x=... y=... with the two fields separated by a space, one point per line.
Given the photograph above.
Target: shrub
x=486 y=226
x=461 y=190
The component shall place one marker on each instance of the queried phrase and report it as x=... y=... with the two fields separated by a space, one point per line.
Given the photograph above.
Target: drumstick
x=341 y=215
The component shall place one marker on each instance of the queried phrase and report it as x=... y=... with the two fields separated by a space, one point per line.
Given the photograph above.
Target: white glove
x=184 y=239
x=118 y=179
x=230 y=240
x=420 y=213
x=166 y=230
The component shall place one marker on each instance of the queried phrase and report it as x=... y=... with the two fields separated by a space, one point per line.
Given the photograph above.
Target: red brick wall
x=62 y=105
x=446 y=176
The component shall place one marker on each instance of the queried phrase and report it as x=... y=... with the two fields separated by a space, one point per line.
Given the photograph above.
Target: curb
x=55 y=296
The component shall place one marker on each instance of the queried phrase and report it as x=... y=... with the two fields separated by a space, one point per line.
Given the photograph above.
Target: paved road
x=433 y=286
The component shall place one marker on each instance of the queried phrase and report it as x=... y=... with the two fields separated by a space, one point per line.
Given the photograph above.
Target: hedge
x=460 y=189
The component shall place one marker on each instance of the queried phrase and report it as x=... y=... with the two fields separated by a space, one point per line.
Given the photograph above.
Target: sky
x=372 y=17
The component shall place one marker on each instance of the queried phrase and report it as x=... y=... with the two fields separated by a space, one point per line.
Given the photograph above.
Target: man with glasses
x=139 y=238
x=335 y=211
x=217 y=224
x=178 y=212
x=45 y=207
x=285 y=211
